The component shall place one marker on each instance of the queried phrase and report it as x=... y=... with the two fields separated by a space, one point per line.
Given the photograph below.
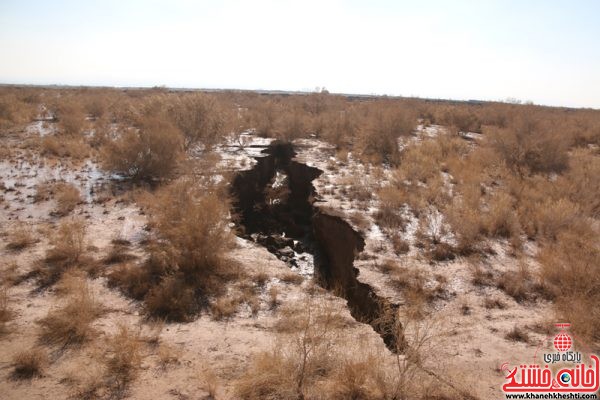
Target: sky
x=547 y=51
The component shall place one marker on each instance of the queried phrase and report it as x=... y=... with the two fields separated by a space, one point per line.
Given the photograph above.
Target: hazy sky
x=544 y=51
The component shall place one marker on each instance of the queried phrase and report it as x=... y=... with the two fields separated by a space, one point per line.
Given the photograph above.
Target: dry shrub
x=193 y=221
x=117 y=254
x=570 y=272
x=581 y=183
x=521 y=284
x=30 y=363
x=389 y=215
x=287 y=372
x=123 y=360
x=421 y=162
x=223 y=308
x=481 y=276
x=172 y=299
x=517 y=334
x=400 y=245
x=71 y=324
x=6 y=314
x=312 y=359
x=188 y=264
x=134 y=280
x=67 y=198
x=491 y=303
x=64 y=146
x=200 y=117
x=66 y=251
x=70 y=116
x=378 y=139
x=20 y=237
x=528 y=146
x=501 y=219
x=14 y=111
x=149 y=153
x=417 y=289
x=292 y=278
x=553 y=217
x=466 y=221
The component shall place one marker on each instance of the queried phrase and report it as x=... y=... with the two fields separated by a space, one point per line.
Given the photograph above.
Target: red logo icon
x=562 y=341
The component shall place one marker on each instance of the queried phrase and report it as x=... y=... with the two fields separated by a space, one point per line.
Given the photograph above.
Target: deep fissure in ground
x=274 y=204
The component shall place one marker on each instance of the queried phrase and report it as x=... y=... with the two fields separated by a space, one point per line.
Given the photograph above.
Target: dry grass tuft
x=30 y=363
x=293 y=278
x=223 y=308
x=189 y=264
x=71 y=324
x=123 y=360
x=67 y=198
x=569 y=271
x=149 y=153
x=521 y=284
x=66 y=252
x=20 y=237
x=118 y=254
x=6 y=314
x=517 y=335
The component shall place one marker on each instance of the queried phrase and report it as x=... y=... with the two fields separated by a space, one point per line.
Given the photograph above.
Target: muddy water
x=274 y=205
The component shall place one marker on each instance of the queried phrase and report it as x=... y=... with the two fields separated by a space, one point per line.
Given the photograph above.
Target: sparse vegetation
x=190 y=263
x=71 y=323
x=6 y=313
x=67 y=251
x=463 y=208
x=149 y=152
x=20 y=236
x=30 y=363
x=67 y=197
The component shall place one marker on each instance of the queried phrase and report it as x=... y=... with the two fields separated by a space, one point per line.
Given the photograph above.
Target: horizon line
x=508 y=100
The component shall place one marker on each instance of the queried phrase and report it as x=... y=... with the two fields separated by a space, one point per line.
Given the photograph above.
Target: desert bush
x=581 y=182
x=123 y=360
x=517 y=334
x=188 y=263
x=465 y=218
x=66 y=251
x=193 y=221
x=378 y=137
x=529 y=147
x=417 y=289
x=201 y=119
x=69 y=114
x=30 y=363
x=148 y=153
x=14 y=111
x=20 y=237
x=172 y=299
x=67 y=198
x=223 y=307
x=400 y=245
x=71 y=324
x=6 y=313
x=286 y=372
x=569 y=271
x=552 y=217
x=501 y=220
x=117 y=254
x=389 y=216
x=491 y=303
x=73 y=147
x=521 y=284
